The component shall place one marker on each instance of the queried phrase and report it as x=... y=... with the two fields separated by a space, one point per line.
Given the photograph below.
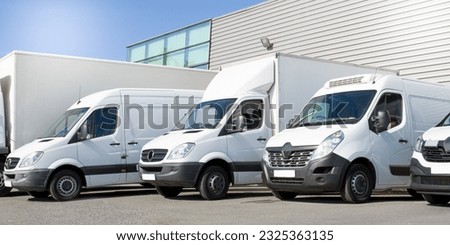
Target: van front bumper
x=318 y=176
x=28 y=180
x=423 y=181
x=170 y=174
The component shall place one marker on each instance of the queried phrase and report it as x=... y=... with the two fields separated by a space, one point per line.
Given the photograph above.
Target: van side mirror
x=83 y=133
x=237 y=125
x=381 y=121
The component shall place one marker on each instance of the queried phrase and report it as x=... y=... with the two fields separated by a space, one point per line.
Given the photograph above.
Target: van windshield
x=65 y=123
x=338 y=108
x=205 y=114
x=445 y=122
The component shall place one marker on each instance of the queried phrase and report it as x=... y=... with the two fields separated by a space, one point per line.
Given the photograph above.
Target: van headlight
x=181 y=151
x=419 y=144
x=328 y=145
x=265 y=158
x=31 y=159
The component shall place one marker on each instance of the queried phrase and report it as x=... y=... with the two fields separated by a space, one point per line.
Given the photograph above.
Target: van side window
x=252 y=110
x=392 y=103
x=102 y=122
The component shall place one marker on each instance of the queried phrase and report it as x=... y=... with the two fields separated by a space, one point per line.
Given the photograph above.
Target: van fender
x=215 y=155
x=65 y=161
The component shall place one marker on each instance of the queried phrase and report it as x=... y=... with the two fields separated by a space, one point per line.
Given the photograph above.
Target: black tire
x=436 y=199
x=169 y=191
x=414 y=194
x=3 y=189
x=39 y=194
x=214 y=183
x=358 y=184
x=284 y=195
x=65 y=185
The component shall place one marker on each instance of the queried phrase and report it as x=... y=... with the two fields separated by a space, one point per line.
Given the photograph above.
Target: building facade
x=412 y=37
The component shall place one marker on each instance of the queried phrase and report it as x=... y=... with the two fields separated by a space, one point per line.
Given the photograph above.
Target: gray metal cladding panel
x=412 y=37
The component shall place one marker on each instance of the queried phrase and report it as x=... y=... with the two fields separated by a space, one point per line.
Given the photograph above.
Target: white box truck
x=222 y=139
x=355 y=135
x=96 y=142
x=37 y=88
x=430 y=164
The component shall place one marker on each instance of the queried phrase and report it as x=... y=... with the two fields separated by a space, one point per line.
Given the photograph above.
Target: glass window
x=159 y=60
x=392 y=103
x=445 y=122
x=65 y=123
x=252 y=110
x=155 y=47
x=176 y=41
x=102 y=122
x=199 y=34
x=198 y=55
x=175 y=59
x=137 y=53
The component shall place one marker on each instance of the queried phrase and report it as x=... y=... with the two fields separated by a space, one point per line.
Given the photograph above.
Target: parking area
x=134 y=205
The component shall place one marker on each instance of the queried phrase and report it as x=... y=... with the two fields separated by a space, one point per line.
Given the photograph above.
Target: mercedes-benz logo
x=150 y=155
x=8 y=163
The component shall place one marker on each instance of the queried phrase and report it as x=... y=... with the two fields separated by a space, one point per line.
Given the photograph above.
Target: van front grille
x=290 y=159
x=153 y=155
x=11 y=162
x=435 y=154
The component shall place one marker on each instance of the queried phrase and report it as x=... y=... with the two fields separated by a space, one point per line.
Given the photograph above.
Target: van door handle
x=114 y=144
x=133 y=143
x=261 y=139
x=402 y=141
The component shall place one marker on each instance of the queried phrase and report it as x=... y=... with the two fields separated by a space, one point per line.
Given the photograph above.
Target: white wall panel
x=412 y=36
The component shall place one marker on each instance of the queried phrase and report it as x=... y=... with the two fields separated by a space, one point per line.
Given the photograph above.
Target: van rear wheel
x=169 y=191
x=358 y=184
x=3 y=189
x=436 y=199
x=65 y=185
x=214 y=183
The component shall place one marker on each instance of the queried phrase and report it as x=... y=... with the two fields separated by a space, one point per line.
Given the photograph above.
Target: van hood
x=36 y=145
x=437 y=133
x=175 y=138
x=304 y=136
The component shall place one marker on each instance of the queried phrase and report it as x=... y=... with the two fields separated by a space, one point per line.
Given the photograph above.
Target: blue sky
x=99 y=28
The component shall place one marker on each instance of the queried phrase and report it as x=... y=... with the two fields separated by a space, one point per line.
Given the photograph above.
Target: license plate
x=8 y=183
x=148 y=177
x=284 y=173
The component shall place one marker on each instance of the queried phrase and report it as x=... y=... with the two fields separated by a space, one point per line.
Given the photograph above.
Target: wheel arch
x=367 y=163
x=66 y=167
x=219 y=163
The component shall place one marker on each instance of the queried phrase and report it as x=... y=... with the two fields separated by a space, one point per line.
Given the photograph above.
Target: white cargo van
x=430 y=164
x=222 y=139
x=96 y=142
x=355 y=135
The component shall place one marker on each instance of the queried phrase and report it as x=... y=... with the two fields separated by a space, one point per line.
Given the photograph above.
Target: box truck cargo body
x=96 y=142
x=355 y=135
x=222 y=139
x=38 y=88
x=430 y=164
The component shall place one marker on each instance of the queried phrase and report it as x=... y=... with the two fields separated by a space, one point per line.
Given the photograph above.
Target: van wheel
x=436 y=199
x=3 y=189
x=65 y=185
x=214 y=183
x=284 y=195
x=169 y=191
x=39 y=194
x=358 y=184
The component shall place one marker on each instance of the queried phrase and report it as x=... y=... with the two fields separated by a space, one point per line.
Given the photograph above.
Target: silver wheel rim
x=66 y=186
x=216 y=183
x=359 y=184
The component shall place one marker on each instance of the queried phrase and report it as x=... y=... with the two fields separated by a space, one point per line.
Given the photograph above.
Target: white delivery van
x=96 y=142
x=356 y=134
x=430 y=164
x=222 y=139
x=35 y=89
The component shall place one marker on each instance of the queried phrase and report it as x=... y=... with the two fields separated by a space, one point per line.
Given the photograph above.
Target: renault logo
x=286 y=150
